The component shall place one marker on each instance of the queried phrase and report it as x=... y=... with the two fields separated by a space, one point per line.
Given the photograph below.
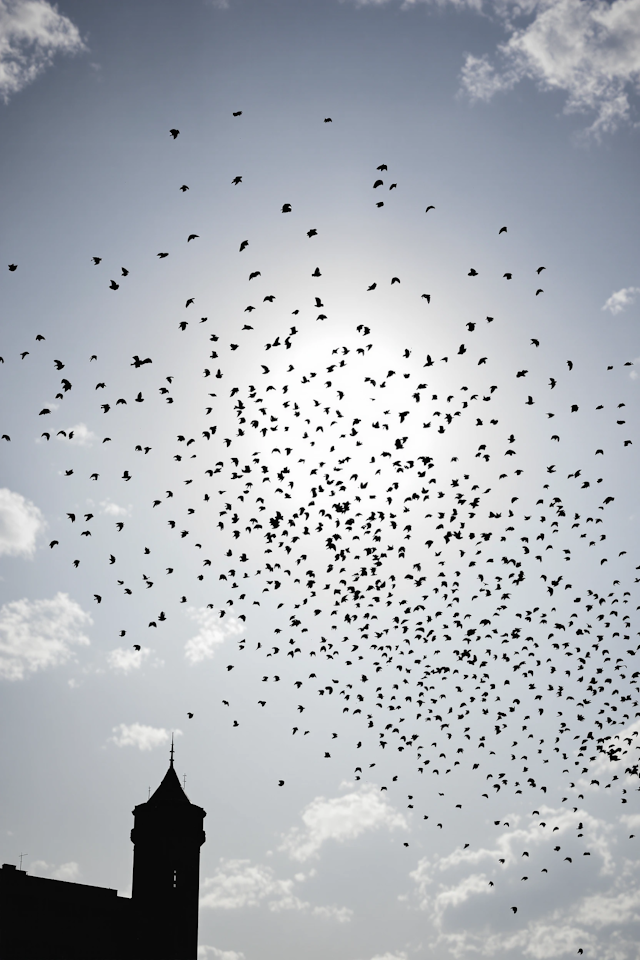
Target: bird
x=190 y=716
x=174 y=133
x=114 y=286
x=162 y=255
x=430 y=207
x=192 y=236
x=244 y=245
x=237 y=113
x=236 y=181
x=96 y=260
x=184 y=188
x=286 y=208
x=13 y=267
x=502 y=230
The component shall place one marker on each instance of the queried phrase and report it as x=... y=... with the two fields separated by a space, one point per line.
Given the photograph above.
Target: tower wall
x=167 y=837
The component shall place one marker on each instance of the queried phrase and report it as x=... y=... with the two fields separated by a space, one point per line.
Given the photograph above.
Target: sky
x=319 y=339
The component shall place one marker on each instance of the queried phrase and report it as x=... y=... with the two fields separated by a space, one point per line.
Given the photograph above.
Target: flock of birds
x=396 y=571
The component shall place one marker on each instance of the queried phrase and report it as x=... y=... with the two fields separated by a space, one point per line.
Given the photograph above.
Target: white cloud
x=603 y=922
x=587 y=49
x=127 y=660
x=66 y=871
x=80 y=435
x=213 y=632
x=390 y=956
x=36 y=634
x=237 y=884
x=32 y=32
x=113 y=510
x=621 y=299
x=339 y=914
x=205 y=952
x=342 y=818
x=141 y=736
x=20 y=523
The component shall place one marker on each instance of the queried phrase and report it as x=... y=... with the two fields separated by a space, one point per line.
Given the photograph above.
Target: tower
x=167 y=837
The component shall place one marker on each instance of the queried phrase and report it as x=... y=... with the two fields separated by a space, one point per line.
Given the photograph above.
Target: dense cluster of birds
x=409 y=571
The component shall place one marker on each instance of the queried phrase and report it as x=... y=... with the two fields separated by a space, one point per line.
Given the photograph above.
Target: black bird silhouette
x=174 y=133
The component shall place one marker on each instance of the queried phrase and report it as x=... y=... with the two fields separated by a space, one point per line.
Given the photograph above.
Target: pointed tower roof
x=170 y=791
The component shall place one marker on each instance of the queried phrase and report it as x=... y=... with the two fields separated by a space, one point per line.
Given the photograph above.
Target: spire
x=169 y=792
x=171 y=753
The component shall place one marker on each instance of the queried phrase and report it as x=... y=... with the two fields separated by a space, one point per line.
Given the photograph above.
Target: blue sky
x=497 y=115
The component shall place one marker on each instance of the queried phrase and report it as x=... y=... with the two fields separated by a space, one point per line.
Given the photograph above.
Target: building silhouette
x=42 y=919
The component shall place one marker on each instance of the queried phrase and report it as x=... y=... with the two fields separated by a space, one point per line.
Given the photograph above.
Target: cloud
x=36 y=634
x=80 y=435
x=342 y=818
x=113 y=510
x=127 y=660
x=621 y=299
x=32 y=32
x=587 y=49
x=339 y=914
x=238 y=884
x=212 y=633
x=396 y=955
x=20 y=523
x=66 y=871
x=452 y=890
x=205 y=952
x=141 y=736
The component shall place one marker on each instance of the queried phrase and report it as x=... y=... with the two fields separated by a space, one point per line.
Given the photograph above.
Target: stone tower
x=167 y=837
